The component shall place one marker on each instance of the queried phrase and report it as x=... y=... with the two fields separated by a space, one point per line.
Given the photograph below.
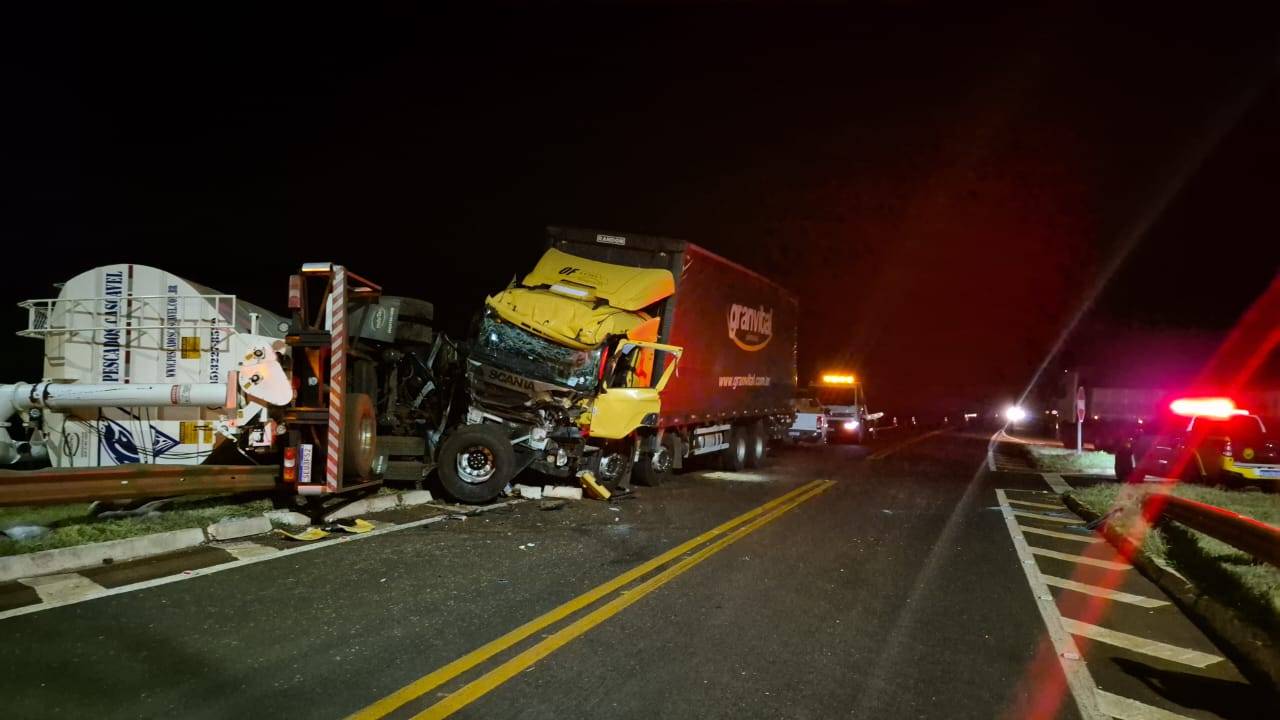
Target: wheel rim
x=740 y=450
x=759 y=441
x=476 y=464
x=661 y=460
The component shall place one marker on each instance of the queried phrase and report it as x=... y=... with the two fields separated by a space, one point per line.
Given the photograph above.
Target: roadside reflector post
x=1079 y=420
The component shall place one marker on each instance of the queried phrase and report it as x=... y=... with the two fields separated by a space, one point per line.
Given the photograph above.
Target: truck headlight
x=556 y=455
x=851 y=425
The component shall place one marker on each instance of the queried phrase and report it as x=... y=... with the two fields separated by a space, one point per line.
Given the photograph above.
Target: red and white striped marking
x=337 y=375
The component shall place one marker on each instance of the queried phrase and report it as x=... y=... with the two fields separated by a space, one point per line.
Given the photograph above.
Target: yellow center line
x=902 y=445
x=479 y=687
x=446 y=673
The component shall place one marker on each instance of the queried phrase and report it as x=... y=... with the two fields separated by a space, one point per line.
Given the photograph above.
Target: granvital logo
x=750 y=328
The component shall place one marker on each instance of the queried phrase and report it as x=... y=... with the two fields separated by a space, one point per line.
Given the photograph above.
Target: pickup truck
x=1202 y=440
x=811 y=420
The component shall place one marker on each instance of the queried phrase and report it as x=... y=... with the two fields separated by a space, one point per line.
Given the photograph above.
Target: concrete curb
x=1248 y=646
x=81 y=557
x=380 y=503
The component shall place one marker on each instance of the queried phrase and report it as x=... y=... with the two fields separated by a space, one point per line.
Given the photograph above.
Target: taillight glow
x=290 y=471
x=1219 y=408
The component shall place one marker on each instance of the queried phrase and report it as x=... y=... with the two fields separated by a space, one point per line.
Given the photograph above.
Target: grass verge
x=1060 y=460
x=1215 y=568
x=72 y=525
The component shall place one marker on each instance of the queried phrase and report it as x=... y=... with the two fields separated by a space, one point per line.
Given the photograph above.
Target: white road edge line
x=1139 y=644
x=1123 y=708
x=236 y=563
x=1079 y=680
x=1108 y=593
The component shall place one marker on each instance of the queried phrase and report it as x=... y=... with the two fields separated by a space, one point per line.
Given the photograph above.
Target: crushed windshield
x=516 y=349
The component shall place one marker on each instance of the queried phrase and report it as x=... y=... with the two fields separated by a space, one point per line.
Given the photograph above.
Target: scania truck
x=623 y=355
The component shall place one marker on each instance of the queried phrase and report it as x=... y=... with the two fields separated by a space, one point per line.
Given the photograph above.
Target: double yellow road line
x=710 y=543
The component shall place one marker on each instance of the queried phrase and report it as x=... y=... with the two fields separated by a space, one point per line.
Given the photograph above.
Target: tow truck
x=847 y=419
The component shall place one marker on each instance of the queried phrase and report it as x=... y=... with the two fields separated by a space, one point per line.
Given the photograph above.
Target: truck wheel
x=757 y=444
x=476 y=463
x=656 y=470
x=359 y=437
x=734 y=457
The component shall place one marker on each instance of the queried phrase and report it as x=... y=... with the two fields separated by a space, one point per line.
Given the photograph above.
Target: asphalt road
x=895 y=592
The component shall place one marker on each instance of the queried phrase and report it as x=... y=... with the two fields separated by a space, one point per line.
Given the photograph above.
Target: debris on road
x=307 y=535
x=551 y=504
x=288 y=518
x=594 y=488
x=530 y=492
x=26 y=532
x=562 y=491
x=359 y=525
x=96 y=509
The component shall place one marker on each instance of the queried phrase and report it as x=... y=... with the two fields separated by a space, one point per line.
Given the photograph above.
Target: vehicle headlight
x=851 y=425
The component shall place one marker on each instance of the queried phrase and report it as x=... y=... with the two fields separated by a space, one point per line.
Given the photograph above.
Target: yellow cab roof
x=625 y=288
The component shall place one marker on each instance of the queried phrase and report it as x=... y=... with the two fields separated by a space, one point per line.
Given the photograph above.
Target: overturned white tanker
x=141 y=366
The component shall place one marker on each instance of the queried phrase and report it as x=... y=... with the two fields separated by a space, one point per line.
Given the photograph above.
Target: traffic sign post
x=1079 y=419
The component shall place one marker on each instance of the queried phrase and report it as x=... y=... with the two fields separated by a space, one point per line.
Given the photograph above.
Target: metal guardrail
x=1258 y=539
x=126 y=482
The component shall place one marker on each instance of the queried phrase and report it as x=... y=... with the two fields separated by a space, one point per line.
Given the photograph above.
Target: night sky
x=943 y=190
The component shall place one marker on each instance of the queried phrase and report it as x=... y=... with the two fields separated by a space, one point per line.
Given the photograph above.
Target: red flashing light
x=1219 y=408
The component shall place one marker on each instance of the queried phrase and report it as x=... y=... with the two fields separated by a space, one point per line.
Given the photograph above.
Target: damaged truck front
x=564 y=375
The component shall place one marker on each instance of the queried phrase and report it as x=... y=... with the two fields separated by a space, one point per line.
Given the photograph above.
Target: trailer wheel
x=757 y=444
x=476 y=463
x=359 y=437
x=734 y=457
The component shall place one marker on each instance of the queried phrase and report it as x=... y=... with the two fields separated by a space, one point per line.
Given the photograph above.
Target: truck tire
x=476 y=462
x=757 y=444
x=359 y=437
x=413 y=322
x=734 y=457
x=644 y=472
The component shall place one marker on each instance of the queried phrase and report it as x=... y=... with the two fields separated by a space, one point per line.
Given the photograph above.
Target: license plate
x=304 y=459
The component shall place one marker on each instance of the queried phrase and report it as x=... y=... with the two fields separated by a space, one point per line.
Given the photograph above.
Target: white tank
x=138 y=324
